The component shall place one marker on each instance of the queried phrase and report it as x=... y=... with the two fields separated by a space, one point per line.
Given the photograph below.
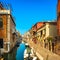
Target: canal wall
x=42 y=53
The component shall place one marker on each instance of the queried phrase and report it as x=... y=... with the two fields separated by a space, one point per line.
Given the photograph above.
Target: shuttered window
x=1 y=23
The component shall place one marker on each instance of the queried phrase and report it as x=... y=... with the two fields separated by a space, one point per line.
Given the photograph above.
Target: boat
x=29 y=54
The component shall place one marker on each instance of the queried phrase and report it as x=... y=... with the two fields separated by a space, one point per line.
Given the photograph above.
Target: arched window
x=1 y=23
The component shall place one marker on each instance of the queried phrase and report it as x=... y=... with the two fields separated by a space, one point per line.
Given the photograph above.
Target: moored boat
x=29 y=53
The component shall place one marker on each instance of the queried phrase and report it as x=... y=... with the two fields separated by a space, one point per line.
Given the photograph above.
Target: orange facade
x=7 y=30
x=3 y=29
x=58 y=18
x=39 y=25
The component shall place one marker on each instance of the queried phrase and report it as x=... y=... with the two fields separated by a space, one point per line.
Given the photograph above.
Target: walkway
x=43 y=53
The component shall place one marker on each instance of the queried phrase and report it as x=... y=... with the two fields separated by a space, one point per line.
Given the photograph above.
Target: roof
x=54 y=23
x=39 y=25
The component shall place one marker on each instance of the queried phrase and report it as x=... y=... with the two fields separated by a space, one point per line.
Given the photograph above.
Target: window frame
x=1 y=22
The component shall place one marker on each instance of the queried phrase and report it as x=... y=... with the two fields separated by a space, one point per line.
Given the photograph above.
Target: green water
x=16 y=54
x=11 y=55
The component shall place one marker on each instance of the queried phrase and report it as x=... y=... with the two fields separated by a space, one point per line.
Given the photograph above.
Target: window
x=34 y=32
x=40 y=33
x=1 y=22
x=59 y=14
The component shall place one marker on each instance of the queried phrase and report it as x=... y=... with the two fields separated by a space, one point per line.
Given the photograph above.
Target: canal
x=16 y=54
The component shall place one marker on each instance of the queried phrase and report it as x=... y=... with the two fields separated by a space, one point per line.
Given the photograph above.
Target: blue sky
x=28 y=12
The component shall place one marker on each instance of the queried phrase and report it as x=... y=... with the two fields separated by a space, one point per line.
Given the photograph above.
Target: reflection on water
x=16 y=54
x=11 y=55
x=20 y=52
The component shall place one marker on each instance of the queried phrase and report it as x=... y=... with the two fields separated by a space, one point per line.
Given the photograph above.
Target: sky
x=29 y=12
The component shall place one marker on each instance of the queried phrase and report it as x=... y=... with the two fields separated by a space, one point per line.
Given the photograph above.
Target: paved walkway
x=43 y=53
x=1 y=59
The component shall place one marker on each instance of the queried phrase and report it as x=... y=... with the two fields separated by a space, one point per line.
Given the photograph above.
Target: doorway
x=1 y=43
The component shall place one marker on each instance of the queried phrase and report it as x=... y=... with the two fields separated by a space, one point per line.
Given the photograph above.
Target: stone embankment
x=42 y=53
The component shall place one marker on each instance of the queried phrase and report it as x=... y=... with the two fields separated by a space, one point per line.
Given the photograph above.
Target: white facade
x=48 y=29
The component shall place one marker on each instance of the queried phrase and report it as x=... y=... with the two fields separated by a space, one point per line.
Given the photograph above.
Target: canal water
x=16 y=54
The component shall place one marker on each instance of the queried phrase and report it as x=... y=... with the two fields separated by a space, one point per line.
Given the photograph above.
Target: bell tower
x=58 y=17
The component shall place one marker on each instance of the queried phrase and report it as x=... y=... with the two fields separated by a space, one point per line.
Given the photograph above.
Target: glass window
x=1 y=22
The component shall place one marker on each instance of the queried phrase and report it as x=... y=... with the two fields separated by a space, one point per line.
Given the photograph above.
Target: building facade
x=58 y=29
x=34 y=30
x=47 y=34
x=19 y=37
x=48 y=30
x=7 y=29
x=58 y=17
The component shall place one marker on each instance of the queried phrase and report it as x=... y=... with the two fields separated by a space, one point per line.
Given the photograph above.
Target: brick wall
x=3 y=30
x=58 y=6
x=58 y=26
x=58 y=18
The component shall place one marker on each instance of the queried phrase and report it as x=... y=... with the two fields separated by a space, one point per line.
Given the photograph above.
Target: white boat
x=30 y=56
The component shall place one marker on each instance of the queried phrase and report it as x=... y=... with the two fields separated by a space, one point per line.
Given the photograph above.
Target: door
x=1 y=43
